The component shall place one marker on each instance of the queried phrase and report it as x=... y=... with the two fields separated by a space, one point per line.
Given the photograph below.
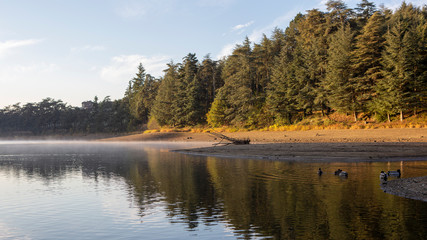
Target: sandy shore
x=312 y=136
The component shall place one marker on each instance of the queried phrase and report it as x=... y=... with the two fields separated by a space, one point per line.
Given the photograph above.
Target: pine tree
x=210 y=81
x=311 y=57
x=338 y=15
x=162 y=109
x=364 y=11
x=137 y=107
x=280 y=91
x=340 y=91
x=366 y=63
x=282 y=88
x=238 y=91
x=217 y=115
x=190 y=112
x=404 y=61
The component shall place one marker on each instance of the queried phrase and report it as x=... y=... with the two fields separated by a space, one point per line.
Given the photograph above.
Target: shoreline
x=312 y=145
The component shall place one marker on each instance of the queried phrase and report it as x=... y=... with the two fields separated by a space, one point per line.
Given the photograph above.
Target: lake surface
x=82 y=190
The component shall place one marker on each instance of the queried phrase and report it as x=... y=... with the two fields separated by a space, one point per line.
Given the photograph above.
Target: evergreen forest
x=366 y=62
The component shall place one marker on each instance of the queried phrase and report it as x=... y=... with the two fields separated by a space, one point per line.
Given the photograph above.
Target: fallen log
x=229 y=139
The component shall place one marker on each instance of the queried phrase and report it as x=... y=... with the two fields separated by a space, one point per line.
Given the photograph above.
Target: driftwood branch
x=229 y=140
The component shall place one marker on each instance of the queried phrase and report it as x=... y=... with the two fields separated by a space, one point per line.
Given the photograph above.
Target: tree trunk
x=401 y=115
x=355 y=116
x=388 y=117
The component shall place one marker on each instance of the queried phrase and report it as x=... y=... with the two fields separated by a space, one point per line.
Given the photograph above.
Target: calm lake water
x=141 y=191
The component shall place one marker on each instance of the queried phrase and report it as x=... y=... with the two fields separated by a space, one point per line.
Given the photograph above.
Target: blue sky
x=74 y=50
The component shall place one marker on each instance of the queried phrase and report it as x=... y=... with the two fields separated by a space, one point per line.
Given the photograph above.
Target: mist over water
x=89 y=190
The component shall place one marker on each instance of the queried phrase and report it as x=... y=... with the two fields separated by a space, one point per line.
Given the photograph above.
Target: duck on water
x=341 y=173
x=394 y=173
x=383 y=176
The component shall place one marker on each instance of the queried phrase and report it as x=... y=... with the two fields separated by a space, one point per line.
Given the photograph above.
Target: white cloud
x=281 y=22
x=15 y=73
x=132 y=10
x=242 y=26
x=226 y=50
x=11 y=44
x=88 y=48
x=123 y=68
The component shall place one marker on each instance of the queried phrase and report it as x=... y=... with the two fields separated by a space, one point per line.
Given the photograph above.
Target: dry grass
x=332 y=122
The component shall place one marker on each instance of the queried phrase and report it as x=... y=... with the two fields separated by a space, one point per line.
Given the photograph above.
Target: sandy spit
x=413 y=188
x=319 y=152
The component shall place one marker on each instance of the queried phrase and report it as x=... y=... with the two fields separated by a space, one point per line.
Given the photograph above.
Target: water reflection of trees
x=278 y=199
x=183 y=182
x=254 y=198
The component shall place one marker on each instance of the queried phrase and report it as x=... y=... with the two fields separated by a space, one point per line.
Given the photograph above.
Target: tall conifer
x=339 y=88
x=404 y=60
x=366 y=63
x=163 y=110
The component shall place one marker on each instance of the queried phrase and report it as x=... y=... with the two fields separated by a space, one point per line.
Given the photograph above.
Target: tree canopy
x=364 y=60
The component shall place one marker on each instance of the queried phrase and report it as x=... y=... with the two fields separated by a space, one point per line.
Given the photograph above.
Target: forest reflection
x=282 y=200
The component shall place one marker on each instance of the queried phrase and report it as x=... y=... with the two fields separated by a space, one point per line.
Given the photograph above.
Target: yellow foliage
x=333 y=121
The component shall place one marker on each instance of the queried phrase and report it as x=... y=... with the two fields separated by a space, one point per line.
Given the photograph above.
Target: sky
x=76 y=50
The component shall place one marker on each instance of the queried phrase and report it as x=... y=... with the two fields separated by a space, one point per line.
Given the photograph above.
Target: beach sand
x=314 y=136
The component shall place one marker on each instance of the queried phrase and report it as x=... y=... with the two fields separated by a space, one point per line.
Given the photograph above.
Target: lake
x=87 y=190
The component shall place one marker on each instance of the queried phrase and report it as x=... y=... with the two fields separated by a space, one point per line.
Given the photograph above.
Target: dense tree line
x=360 y=60
x=55 y=117
x=365 y=61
